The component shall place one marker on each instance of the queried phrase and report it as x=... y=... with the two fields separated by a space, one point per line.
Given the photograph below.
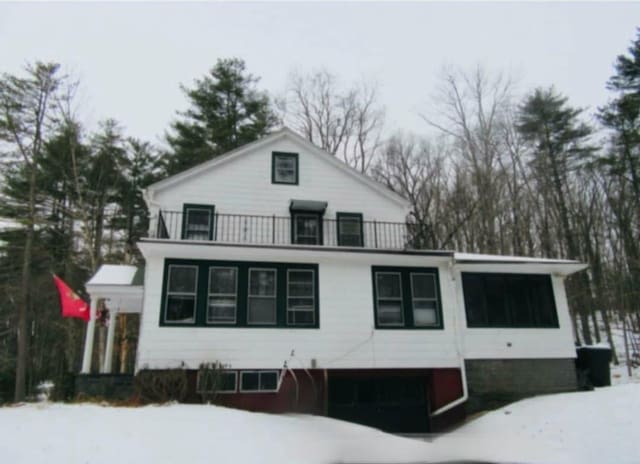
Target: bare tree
x=345 y=121
x=469 y=108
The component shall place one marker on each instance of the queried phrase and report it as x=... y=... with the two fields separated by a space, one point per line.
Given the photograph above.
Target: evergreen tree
x=226 y=111
x=558 y=143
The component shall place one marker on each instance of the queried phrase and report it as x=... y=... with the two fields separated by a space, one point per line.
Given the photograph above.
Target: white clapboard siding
x=507 y=343
x=243 y=186
x=346 y=337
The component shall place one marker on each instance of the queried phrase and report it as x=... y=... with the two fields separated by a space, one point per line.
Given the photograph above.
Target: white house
x=298 y=274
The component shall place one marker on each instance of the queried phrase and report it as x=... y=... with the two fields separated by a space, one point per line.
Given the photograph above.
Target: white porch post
x=88 y=338
x=111 y=332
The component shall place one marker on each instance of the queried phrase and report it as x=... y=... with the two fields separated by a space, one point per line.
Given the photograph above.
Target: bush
x=161 y=386
x=209 y=381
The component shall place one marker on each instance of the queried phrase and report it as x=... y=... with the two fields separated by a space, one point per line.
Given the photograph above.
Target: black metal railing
x=277 y=230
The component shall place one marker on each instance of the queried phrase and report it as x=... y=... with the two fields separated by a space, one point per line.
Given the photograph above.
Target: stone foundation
x=495 y=382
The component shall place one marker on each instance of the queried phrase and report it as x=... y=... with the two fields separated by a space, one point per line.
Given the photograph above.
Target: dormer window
x=284 y=168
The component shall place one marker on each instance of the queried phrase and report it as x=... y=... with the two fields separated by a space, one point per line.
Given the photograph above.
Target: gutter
x=458 y=338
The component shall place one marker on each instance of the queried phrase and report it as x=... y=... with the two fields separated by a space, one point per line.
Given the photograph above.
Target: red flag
x=70 y=303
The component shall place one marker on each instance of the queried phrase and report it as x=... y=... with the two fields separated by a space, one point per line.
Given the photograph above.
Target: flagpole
x=88 y=340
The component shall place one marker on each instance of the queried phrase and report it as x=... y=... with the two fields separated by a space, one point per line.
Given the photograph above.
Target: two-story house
x=297 y=273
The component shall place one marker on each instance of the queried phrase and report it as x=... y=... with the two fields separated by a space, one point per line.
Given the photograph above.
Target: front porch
x=116 y=293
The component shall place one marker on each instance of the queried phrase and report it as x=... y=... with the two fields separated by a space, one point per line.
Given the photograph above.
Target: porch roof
x=120 y=285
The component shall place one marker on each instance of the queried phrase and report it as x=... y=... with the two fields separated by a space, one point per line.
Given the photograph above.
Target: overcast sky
x=131 y=58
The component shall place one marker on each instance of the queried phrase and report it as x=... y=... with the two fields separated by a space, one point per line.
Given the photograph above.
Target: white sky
x=131 y=58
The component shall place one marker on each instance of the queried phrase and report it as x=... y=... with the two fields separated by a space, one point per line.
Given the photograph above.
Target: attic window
x=284 y=168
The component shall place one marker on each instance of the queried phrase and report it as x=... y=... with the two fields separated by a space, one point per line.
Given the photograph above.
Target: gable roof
x=285 y=132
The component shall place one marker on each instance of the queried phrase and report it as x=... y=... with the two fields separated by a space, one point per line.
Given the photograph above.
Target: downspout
x=458 y=339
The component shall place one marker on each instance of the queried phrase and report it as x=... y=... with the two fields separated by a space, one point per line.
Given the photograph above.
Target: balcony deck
x=278 y=231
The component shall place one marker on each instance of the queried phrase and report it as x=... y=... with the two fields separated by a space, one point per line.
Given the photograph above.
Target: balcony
x=302 y=230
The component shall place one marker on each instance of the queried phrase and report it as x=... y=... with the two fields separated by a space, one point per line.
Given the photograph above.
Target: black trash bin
x=593 y=363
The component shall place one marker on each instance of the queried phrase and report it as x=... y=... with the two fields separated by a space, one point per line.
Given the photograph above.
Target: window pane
x=519 y=301
x=425 y=312
x=261 y=310
x=300 y=283
x=180 y=308
x=182 y=279
x=390 y=312
x=227 y=382
x=306 y=227
x=349 y=226
x=285 y=168
x=268 y=380
x=388 y=285
x=198 y=219
x=262 y=282
x=473 y=289
x=221 y=309
x=423 y=285
x=496 y=300
x=222 y=280
x=300 y=317
x=250 y=381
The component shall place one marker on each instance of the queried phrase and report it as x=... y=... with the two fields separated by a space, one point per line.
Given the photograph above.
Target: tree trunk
x=22 y=356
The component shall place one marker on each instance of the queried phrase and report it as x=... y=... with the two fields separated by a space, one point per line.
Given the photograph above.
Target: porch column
x=88 y=338
x=111 y=332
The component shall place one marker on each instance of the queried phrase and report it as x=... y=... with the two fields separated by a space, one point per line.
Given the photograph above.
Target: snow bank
x=586 y=427
x=596 y=427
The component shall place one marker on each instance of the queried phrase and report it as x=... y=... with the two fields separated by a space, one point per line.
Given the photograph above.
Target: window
x=284 y=168
x=350 y=229
x=181 y=294
x=261 y=307
x=423 y=299
x=406 y=297
x=224 y=382
x=259 y=381
x=389 y=298
x=197 y=222
x=223 y=300
x=300 y=297
x=509 y=300
x=203 y=293
x=307 y=229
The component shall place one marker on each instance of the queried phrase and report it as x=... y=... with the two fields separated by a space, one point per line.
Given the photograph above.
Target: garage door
x=393 y=404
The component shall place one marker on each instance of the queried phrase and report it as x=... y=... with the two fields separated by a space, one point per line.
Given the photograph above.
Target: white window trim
x=170 y=293
x=312 y=310
x=235 y=295
x=275 y=294
x=221 y=392
x=277 y=373
x=435 y=299
x=186 y=227
x=388 y=324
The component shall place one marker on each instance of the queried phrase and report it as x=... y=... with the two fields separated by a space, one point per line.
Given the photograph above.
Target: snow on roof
x=114 y=274
x=477 y=257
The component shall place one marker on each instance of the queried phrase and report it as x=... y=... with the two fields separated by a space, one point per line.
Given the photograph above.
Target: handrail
x=279 y=230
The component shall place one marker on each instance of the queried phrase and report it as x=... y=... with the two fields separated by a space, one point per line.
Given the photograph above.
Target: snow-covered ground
x=586 y=427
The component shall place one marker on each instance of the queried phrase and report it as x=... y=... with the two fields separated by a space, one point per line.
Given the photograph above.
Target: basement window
x=258 y=381
x=225 y=382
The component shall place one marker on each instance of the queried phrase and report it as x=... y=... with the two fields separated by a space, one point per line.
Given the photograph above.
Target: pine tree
x=559 y=145
x=226 y=111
